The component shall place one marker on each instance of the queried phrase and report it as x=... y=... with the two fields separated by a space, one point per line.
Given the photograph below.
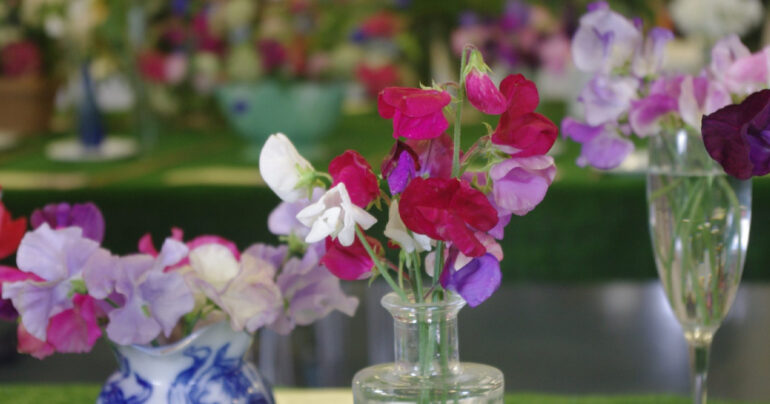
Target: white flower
x=246 y=291
x=281 y=166
x=214 y=263
x=397 y=231
x=716 y=18
x=336 y=216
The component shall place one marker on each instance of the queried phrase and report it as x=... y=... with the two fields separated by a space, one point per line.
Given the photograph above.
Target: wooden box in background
x=26 y=104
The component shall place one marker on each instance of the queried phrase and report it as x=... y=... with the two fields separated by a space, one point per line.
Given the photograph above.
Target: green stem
x=458 y=117
x=378 y=263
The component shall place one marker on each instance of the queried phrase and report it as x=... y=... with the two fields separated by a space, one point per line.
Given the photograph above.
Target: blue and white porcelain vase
x=209 y=366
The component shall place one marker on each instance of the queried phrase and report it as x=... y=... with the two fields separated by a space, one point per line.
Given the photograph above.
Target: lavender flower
x=58 y=258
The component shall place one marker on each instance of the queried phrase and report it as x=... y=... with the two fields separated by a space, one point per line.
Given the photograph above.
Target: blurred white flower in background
x=714 y=19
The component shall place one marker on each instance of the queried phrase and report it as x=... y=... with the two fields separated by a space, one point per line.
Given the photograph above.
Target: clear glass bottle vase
x=427 y=367
x=699 y=224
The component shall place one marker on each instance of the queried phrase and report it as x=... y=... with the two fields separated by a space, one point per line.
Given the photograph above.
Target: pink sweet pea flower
x=146 y=245
x=28 y=344
x=351 y=262
x=737 y=68
x=483 y=94
x=10 y=275
x=449 y=210
x=645 y=114
x=77 y=329
x=434 y=156
x=416 y=113
x=355 y=172
x=520 y=183
x=700 y=96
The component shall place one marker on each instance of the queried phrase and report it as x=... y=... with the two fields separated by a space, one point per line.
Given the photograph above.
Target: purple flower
x=310 y=292
x=605 y=99
x=520 y=183
x=58 y=258
x=282 y=221
x=604 y=40
x=474 y=282
x=648 y=58
x=603 y=147
x=87 y=216
x=153 y=301
x=738 y=136
x=645 y=114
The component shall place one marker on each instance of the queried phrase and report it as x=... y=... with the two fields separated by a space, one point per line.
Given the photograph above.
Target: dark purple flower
x=476 y=281
x=87 y=216
x=399 y=167
x=738 y=136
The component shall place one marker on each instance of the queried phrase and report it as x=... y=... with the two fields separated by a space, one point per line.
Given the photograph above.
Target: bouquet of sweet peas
x=447 y=208
x=68 y=290
x=628 y=94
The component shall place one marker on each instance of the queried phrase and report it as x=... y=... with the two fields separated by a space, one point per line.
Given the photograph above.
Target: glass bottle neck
x=425 y=338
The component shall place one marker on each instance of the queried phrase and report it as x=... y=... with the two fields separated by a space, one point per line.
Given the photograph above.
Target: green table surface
x=73 y=393
x=592 y=226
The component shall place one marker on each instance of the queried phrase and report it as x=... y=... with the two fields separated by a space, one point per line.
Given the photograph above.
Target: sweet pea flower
x=9 y=275
x=483 y=94
x=476 y=281
x=520 y=183
x=606 y=98
x=249 y=297
x=310 y=292
x=416 y=113
x=520 y=131
x=399 y=167
x=604 y=40
x=334 y=215
x=87 y=216
x=603 y=147
x=700 y=96
x=449 y=210
x=738 y=136
x=153 y=300
x=72 y=331
x=396 y=230
x=434 y=156
x=58 y=257
x=283 y=168
x=645 y=114
x=282 y=221
x=737 y=68
x=648 y=58
x=146 y=245
x=355 y=172
x=350 y=262
x=11 y=232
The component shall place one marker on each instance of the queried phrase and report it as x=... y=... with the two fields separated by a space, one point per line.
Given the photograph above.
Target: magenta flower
x=58 y=257
x=603 y=147
x=72 y=331
x=645 y=114
x=449 y=210
x=483 y=94
x=87 y=216
x=310 y=291
x=738 y=136
x=520 y=183
x=434 y=156
x=350 y=262
x=10 y=275
x=521 y=132
x=416 y=113
x=355 y=172
x=476 y=281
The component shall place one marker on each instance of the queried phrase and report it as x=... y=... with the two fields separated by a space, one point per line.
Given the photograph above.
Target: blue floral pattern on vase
x=207 y=367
